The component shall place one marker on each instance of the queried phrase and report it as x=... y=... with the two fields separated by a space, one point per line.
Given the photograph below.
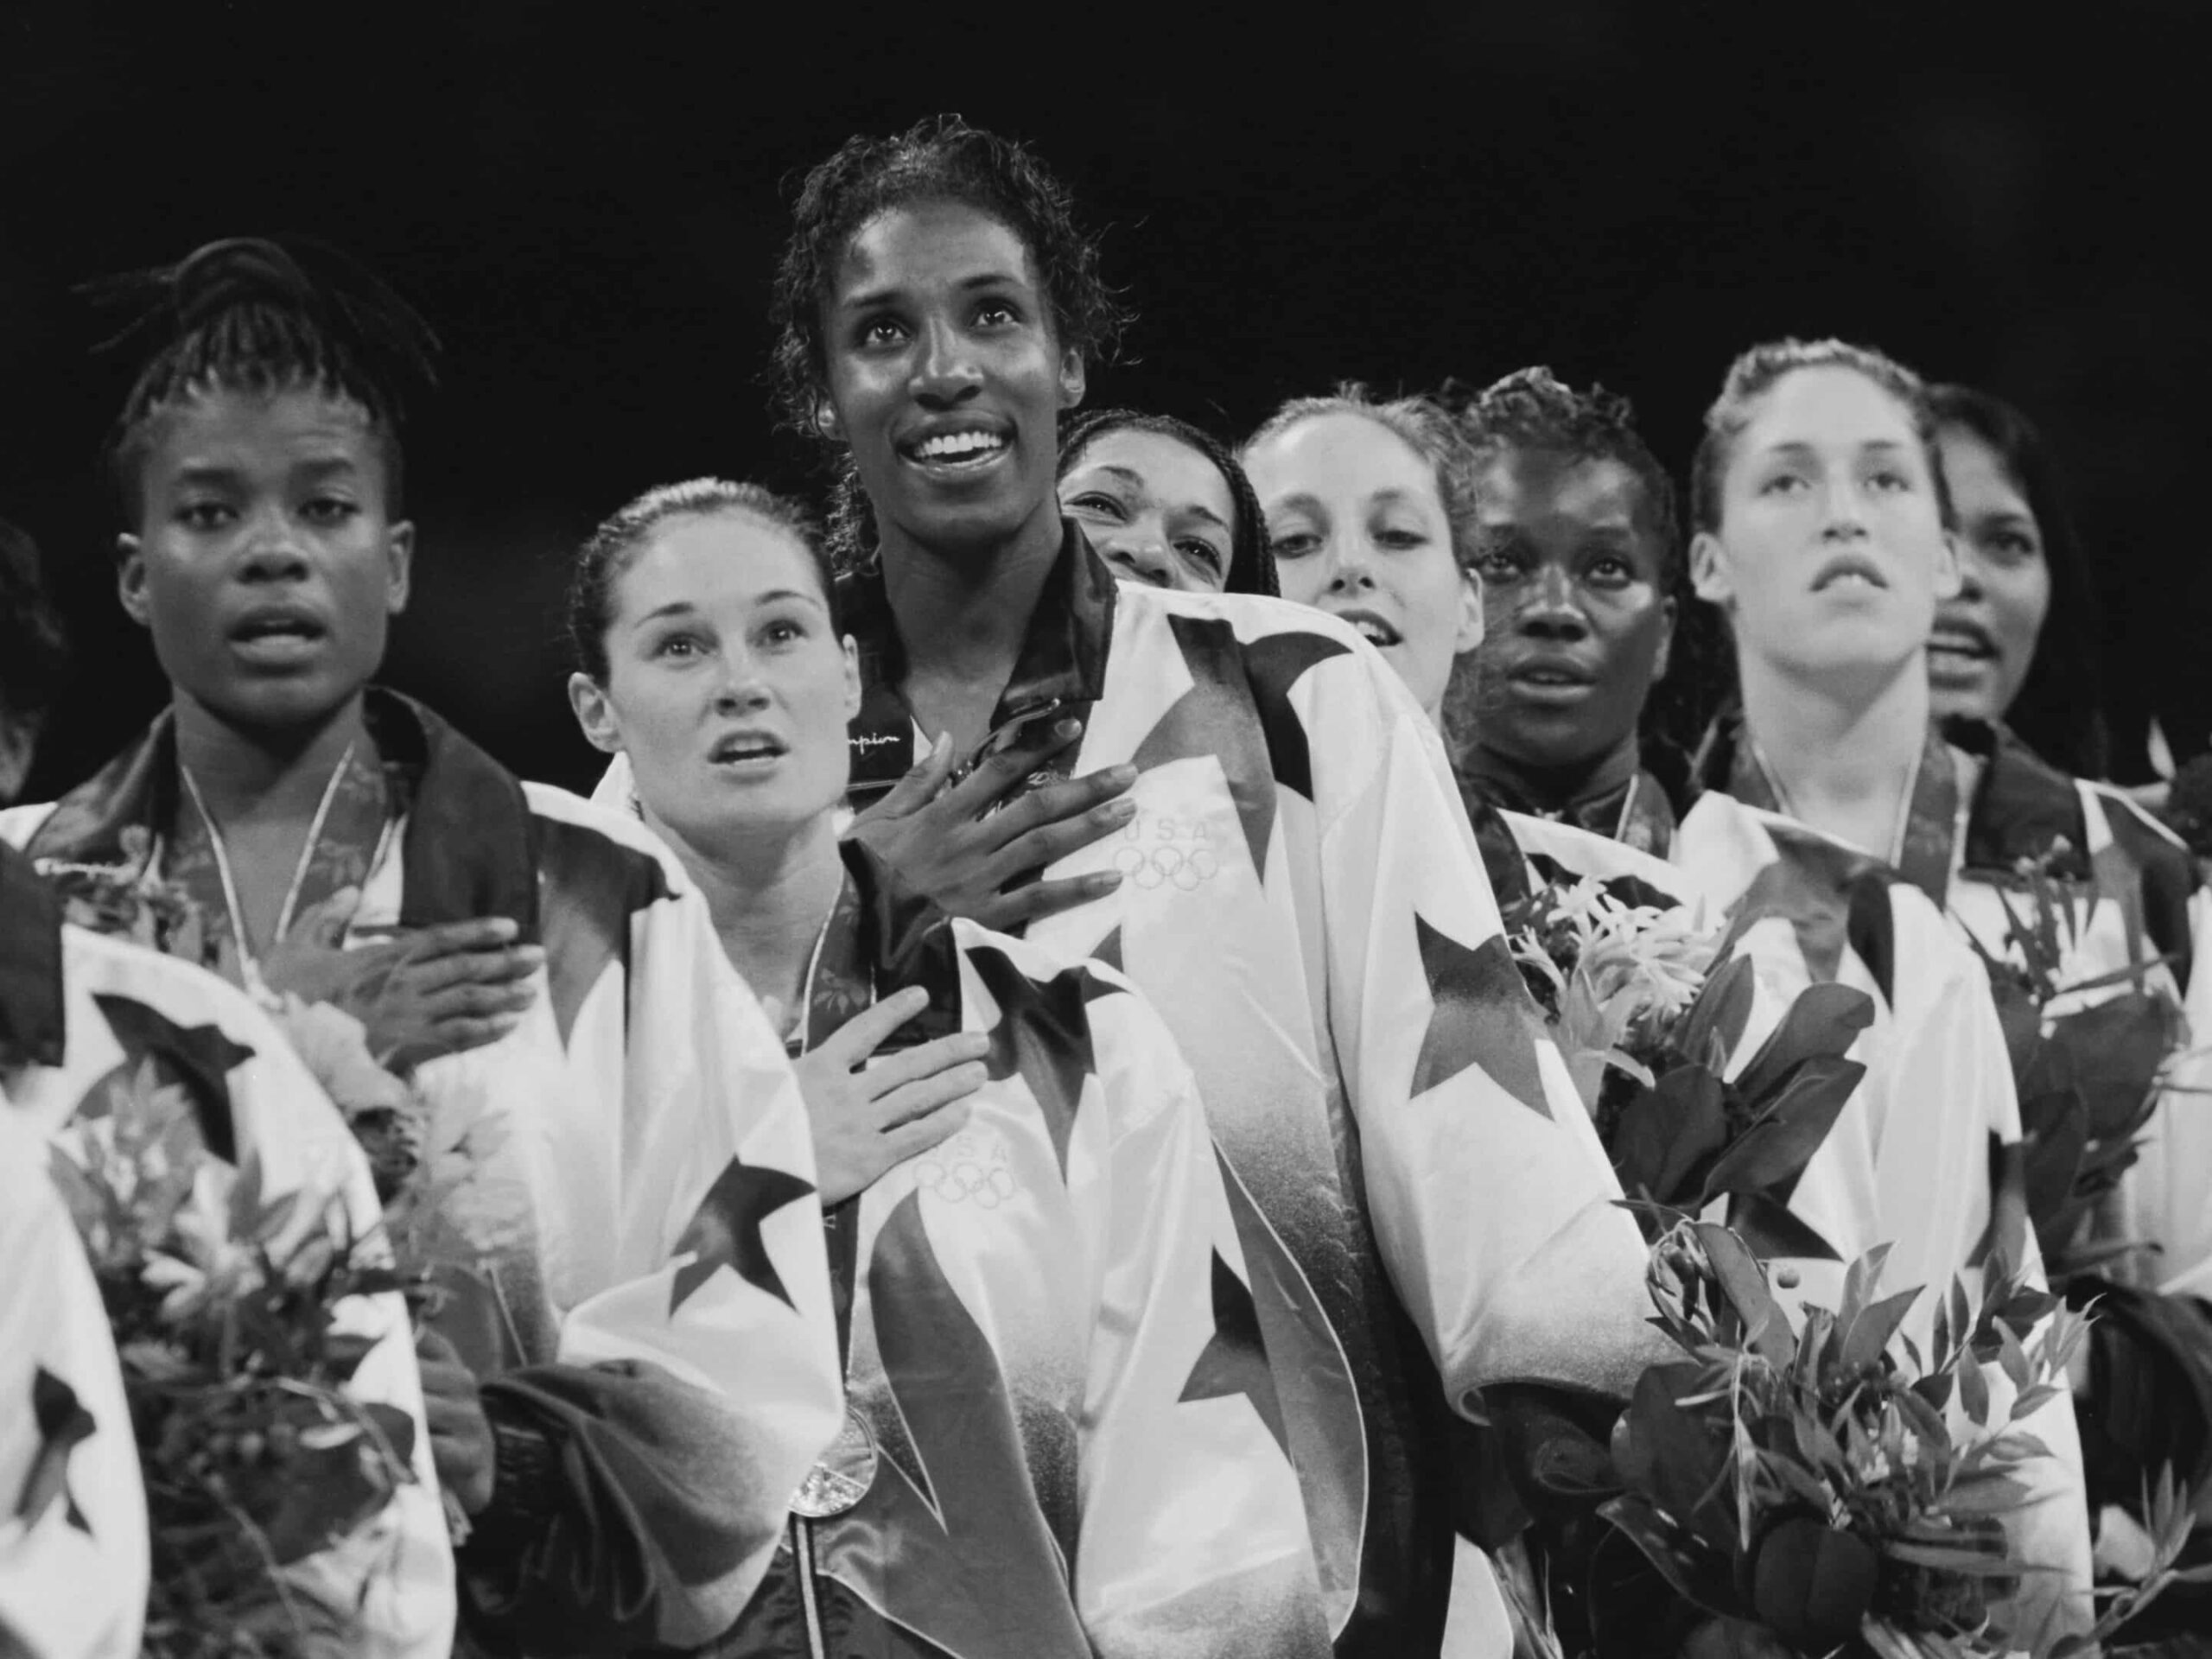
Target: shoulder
x=583 y=844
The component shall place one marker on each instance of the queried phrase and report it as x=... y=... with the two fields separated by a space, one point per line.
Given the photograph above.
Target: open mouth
x=748 y=749
x=1549 y=676
x=1961 y=641
x=1372 y=628
x=956 y=447
x=1851 y=570
x=277 y=631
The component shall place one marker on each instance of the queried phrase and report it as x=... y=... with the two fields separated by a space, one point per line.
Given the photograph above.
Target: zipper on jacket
x=803 y=1552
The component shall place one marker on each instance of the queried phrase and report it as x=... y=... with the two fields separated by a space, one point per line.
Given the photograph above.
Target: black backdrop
x=589 y=211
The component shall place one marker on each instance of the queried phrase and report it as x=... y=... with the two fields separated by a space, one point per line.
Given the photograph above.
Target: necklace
x=1895 y=852
x=248 y=965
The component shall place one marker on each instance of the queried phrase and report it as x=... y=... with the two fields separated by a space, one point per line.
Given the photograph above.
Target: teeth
x=948 y=444
x=1375 y=634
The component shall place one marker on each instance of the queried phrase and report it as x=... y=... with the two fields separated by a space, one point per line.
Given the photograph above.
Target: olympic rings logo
x=1166 y=851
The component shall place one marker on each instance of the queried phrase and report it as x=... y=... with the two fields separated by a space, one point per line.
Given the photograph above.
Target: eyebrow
x=685 y=607
x=1800 y=447
x=875 y=296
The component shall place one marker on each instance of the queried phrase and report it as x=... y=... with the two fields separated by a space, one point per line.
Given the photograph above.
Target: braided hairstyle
x=1533 y=409
x=265 y=314
x=33 y=649
x=941 y=159
x=2059 y=710
x=1251 y=567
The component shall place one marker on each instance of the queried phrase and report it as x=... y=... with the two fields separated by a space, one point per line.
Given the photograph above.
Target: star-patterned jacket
x=654 y=1333
x=77 y=1009
x=1917 y=1159
x=1420 y=1196
x=1073 y=1445
x=72 y=1518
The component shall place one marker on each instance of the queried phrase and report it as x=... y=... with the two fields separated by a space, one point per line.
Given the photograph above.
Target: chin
x=281 y=705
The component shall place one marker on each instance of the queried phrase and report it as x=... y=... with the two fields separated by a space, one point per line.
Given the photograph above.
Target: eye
x=782 y=631
x=1203 y=554
x=679 y=647
x=329 y=510
x=1611 y=571
x=997 y=314
x=1496 y=567
x=204 y=515
x=1293 y=544
x=2014 y=545
x=1096 y=501
x=1891 y=481
x=1400 y=539
x=880 y=332
x=1782 y=483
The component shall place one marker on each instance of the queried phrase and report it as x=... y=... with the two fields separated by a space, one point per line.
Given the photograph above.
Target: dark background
x=590 y=211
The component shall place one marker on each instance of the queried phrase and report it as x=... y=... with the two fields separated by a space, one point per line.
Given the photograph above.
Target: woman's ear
x=1708 y=570
x=399 y=554
x=1468 y=634
x=1948 y=577
x=130 y=579
x=1664 y=655
x=825 y=419
x=852 y=679
x=1073 y=380
x=594 y=712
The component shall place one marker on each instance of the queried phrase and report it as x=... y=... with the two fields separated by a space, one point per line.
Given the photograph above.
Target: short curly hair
x=1533 y=409
x=1422 y=424
x=942 y=159
x=1758 y=371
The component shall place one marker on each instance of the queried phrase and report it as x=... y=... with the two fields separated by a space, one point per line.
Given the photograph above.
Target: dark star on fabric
x=1234 y=1360
x=726 y=1230
x=197 y=1059
x=1043 y=1035
x=594 y=886
x=1238 y=710
x=1832 y=897
x=1109 y=950
x=63 y=1425
x=955 y=1468
x=1625 y=888
x=1481 y=1018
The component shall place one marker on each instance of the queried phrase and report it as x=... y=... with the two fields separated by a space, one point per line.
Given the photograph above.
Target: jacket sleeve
x=644 y=1478
x=1494 y=1205
x=1193 y=1540
x=72 y=1517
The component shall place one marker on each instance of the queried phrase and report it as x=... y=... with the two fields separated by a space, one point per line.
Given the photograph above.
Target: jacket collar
x=882 y=938
x=469 y=848
x=32 y=1027
x=1062 y=662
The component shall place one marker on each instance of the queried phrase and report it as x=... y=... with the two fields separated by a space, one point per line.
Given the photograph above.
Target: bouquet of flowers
x=263 y=1477
x=1648 y=1025
x=2088 y=1076
x=1829 y=1489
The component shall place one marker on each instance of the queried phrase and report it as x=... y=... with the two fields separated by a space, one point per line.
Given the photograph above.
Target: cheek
x=2020 y=600
x=1300 y=580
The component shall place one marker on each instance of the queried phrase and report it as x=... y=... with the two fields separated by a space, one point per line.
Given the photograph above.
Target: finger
x=920 y=1098
x=867 y=1031
x=924 y=1061
x=479 y=1001
x=514 y=963
x=990 y=782
x=476 y=933
x=1079 y=799
x=918 y=787
x=922 y=1132
x=1005 y=911
x=458 y=1037
x=1045 y=846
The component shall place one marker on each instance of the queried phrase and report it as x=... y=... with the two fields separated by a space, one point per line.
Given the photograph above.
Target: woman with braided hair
x=623 y=1395
x=1164 y=503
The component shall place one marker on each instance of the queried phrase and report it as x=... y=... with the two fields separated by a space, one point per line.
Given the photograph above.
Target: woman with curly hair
x=1417 y=1192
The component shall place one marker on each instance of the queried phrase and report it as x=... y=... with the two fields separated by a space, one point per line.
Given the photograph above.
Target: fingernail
x=532 y=954
x=1122 y=810
x=503 y=927
x=1105 y=880
x=1066 y=728
x=1121 y=777
x=974 y=1042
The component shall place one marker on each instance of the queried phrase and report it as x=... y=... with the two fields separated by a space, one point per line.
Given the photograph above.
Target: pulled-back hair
x=266 y=315
x=1422 y=424
x=1756 y=373
x=1251 y=567
x=2059 y=710
x=611 y=548
x=943 y=159
x=1533 y=409
x=33 y=649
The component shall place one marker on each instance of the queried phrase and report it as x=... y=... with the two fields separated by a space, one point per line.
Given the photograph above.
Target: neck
x=1557 y=788
x=769 y=897
x=1842 y=757
x=244 y=771
x=962 y=616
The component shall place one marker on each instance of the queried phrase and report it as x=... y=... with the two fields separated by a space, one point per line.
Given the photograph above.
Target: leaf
x=1743 y=1280
x=1860 y=1280
x=1813 y=1583
x=1788 y=1130
x=1868 y=1337
x=1973 y=1392
x=2116 y=1048
x=1723 y=1009
x=1667 y=1134
x=1676 y=1460
x=1694 y=1572
x=1825 y=1020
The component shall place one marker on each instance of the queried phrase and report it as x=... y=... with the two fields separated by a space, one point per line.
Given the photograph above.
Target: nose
x=270 y=548
x=1970 y=571
x=1144 y=556
x=1351 y=564
x=1845 y=518
x=740 y=687
x=946 y=373
x=1550 y=611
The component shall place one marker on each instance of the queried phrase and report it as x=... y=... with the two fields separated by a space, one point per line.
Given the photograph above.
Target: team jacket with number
x=654 y=1334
